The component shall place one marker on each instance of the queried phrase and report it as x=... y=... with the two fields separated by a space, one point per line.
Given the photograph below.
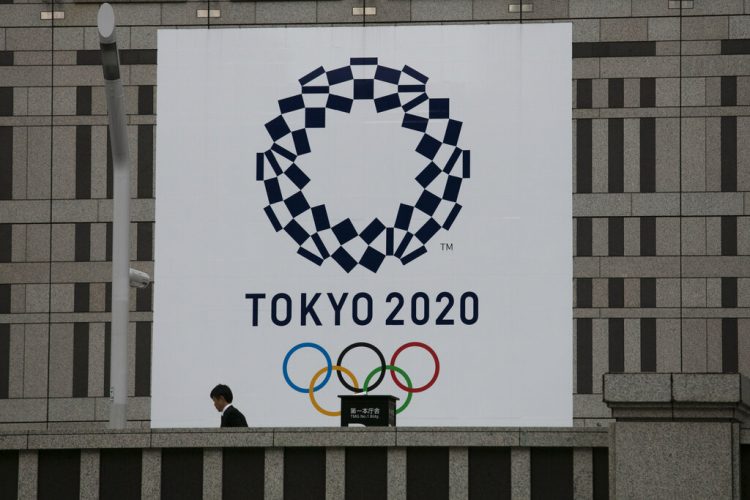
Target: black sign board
x=368 y=410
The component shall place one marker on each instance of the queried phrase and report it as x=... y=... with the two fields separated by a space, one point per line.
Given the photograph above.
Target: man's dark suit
x=232 y=417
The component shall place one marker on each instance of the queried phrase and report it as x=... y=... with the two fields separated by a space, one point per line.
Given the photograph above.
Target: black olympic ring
x=382 y=366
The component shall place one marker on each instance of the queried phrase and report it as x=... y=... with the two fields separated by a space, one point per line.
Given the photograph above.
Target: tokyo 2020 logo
x=437 y=141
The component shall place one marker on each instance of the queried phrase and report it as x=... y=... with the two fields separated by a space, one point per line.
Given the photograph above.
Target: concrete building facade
x=660 y=182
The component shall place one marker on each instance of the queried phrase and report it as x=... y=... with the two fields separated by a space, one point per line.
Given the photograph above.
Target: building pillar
x=274 y=474
x=28 y=474
x=151 y=474
x=89 y=475
x=396 y=473
x=583 y=473
x=520 y=473
x=212 y=472
x=335 y=473
x=458 y=479
x=676 y=434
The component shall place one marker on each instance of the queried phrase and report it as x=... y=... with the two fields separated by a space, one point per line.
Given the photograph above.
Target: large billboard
x=383 y=206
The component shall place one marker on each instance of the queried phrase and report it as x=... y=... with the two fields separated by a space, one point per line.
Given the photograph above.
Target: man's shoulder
x=236 y=417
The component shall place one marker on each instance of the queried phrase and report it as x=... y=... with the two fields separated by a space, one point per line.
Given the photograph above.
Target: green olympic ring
x=395 y=369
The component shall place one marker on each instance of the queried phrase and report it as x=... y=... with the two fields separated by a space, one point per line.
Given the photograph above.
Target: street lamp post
x=120 y=217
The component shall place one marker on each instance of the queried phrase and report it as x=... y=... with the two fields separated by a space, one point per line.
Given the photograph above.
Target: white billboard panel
x=365 y=198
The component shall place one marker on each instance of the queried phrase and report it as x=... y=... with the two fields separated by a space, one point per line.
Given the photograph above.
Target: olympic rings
x=369 y=346
x=382 y=371
x=434 y=357
x=311 y=390
x=289 y=355
x=330 y=367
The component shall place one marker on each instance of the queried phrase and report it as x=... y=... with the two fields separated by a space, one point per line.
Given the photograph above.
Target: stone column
x=520 y=473
x=458 y=470
x=89 y=475
x=151 y=474
x=583 y=473
x=28 y=474
x=676 y=435
x=396 y=473
x=212 y=472
x=335 y=473
x=274 y=474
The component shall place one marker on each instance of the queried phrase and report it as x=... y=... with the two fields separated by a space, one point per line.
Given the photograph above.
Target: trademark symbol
x=446 y=247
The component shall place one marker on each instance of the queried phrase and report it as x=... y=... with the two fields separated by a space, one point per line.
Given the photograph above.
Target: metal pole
x=120 y=219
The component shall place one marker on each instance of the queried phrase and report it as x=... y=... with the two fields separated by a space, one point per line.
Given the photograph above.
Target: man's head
x=221 y=396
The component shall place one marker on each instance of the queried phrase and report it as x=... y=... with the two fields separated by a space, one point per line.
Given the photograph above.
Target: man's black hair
x=224 y=391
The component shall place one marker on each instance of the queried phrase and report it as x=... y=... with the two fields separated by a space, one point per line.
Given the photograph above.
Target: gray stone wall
x=661 y=183
x=580 y=470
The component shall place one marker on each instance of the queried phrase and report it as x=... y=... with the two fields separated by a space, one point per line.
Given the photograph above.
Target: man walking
x=230 y=416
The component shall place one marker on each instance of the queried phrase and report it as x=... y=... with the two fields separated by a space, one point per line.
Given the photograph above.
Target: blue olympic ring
x=295 y=349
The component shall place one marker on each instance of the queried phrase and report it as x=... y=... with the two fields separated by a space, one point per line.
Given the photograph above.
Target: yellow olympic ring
x=311 y=391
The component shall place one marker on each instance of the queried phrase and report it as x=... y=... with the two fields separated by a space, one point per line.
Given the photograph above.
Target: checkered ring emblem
x=437 y=141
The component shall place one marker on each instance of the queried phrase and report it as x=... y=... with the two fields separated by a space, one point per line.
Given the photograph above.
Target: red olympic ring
x=434 y=357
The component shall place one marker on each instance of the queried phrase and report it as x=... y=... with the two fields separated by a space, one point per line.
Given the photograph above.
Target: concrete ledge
x=458 y=437
x=210 y=438
x=13 y=441
x=88 y=440
x=510 y=437
x=643 y=412
x=335 y=436
x=566 y=438
x=678 y=396
x=725 y=388
x=637 y=387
